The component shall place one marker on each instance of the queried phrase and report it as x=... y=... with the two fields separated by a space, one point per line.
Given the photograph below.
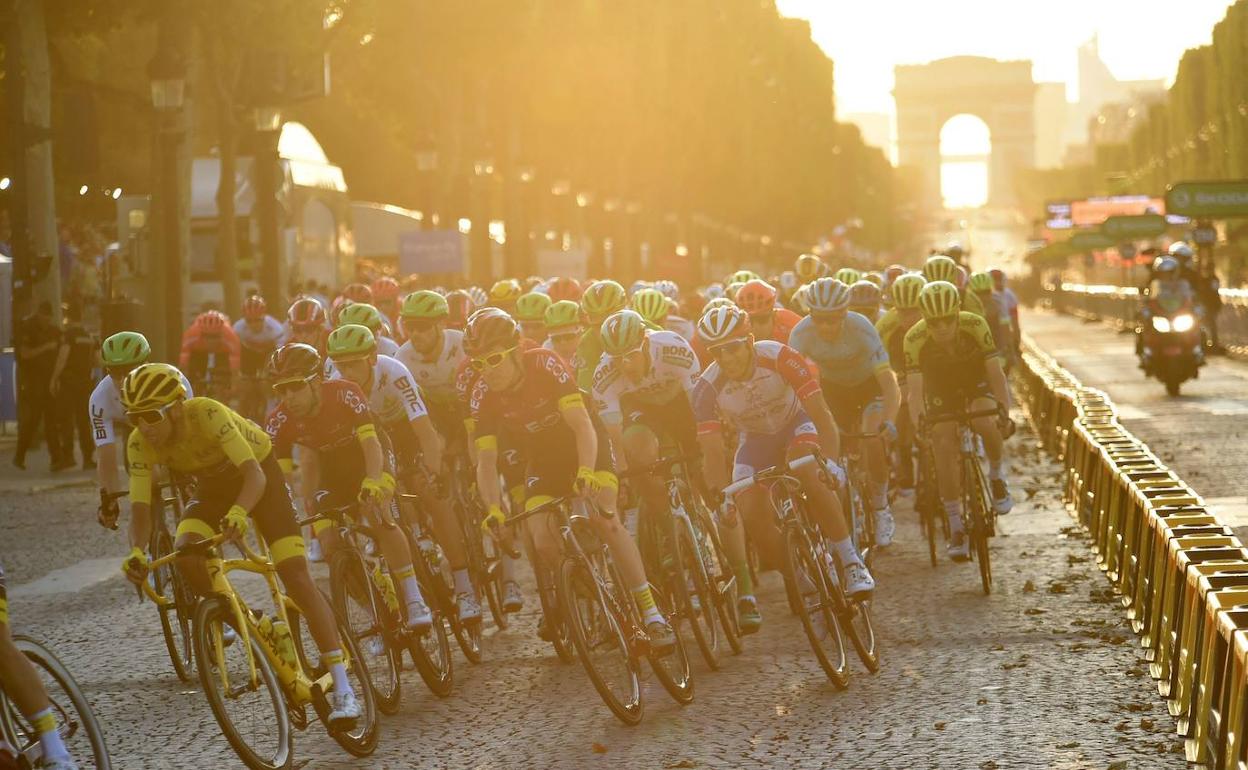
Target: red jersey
x=194 y=341
x=534 y=406
x=343 y=417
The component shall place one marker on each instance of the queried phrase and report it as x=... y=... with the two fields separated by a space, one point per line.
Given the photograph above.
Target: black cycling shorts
x=847 y=403
x=274 y=514
x=672 y=422
x=552 y=463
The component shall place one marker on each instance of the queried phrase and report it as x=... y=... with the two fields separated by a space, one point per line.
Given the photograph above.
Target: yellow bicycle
x=257 y=675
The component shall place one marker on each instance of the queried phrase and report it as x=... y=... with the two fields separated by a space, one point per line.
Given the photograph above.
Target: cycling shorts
x=274 y=514
x=342 y=473
x=758 y=451
x=404 y=445
x=672 y=423
x=551 y=471
x=954 y=396
x=848 y=404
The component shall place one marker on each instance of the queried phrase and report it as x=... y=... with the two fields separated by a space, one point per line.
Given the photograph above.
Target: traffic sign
x=1208 y=199
x=1090 y=240
x=1138 y=226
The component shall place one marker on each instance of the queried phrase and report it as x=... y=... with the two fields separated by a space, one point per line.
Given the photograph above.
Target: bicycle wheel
x=599 y=642
x=854 y=616
x=75 y=721
x=976 y=503
x=693 y=598
x=365 y=614
x=490 y=580
x=722 y=579
x=547 y=594
x=809 y=592
x=175 y=616
x=361 y=740
x=671 y=667
x=467 y=635
x=252 y=714
x=431 y=652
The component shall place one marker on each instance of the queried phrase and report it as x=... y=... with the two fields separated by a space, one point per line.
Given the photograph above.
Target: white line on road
x=71 y=579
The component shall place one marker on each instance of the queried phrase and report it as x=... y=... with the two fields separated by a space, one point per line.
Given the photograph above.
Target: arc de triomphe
x=1001 y=93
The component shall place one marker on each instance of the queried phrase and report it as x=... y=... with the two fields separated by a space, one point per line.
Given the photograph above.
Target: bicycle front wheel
x=361 y=740
x=975 y=486
x=175 y=615
x=75 y=721
x=364 y=613
x=599 y=642
x=671 y=667
x=251 y=711
x=694 y=599
x=808 y=592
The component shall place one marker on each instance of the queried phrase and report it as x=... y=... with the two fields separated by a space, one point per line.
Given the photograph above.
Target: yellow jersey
x=209 y=438
x=971 y=346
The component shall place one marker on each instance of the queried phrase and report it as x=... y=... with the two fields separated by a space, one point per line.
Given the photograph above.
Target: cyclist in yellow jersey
x=942 y=268
x=237 y=479
x=952 y=366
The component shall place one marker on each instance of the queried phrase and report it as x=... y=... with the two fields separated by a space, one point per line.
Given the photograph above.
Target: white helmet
x=789 y=281
x=668 y=288
x=1180 y=250
x=827 y=295
x=722 y=324
x=714 y=291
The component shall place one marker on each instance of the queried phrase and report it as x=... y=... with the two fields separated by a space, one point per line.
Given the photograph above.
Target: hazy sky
x=1139 y=40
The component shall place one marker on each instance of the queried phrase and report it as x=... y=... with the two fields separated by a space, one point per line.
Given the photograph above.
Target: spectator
x=72 y=384
x=1208 y=292
x=37 y=340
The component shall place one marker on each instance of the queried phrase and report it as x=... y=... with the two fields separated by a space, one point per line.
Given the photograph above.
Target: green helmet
x=940 y=299
x=743 y=276
x=980 y=282
x=362 y=314
x=623 y=332
x=905 y=290
x=424 y=304
x=532 y=306
x=603 y=298
x=848 y=276
x=565 y=312
x=125 y=349
x=940 y=268
x=651 y=304
x=351 y=341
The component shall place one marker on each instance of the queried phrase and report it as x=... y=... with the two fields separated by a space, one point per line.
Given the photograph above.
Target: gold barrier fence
x=1179 y=572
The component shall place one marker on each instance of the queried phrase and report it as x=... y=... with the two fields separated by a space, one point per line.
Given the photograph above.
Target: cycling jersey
x=964 y=357
x=257 y=344
x=387 y=347
x=393 y=396
x=971 y=304
x=343 y=418
x=107 y=412
x=672 y=369
x=589 y=353
x=436 y=376
x=765 y=401
x=856 y=355
x=682 y=326
x=783 y=323
x=209 y=441
x=194 y=342
x=533 y=406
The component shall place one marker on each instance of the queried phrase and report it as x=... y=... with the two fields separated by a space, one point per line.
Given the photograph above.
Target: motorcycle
x=1171 y=344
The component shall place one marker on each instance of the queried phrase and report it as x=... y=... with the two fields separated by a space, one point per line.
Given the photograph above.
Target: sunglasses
x=149 y=416
x=728 y=348
x=420 y=324
x=828 y=320
x=491 y=361
x=287 y=387
x=564 y=337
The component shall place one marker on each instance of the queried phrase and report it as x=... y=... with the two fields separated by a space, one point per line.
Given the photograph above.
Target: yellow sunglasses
x=491 y=361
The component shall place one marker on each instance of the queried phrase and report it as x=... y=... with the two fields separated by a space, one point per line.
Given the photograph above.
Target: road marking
x=1233 y=511
x=1128 y=412
x=72 y=579
x=1223 y=406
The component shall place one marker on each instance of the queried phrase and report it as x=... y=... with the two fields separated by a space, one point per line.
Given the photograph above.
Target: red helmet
x=211 y=321
x=756 y=296
x=564 y=288
x=490 y=329
x=385 y=288
x=357 y=292
x=306 y=311
x=254 y=308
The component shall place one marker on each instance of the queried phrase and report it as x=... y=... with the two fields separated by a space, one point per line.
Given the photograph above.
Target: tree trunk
x=36 y=252
x=223 y=75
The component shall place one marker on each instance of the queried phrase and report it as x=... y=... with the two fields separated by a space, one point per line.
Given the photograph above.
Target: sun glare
x=965 y=145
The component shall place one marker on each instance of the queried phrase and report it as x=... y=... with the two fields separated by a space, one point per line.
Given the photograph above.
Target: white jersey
x=394 y=396
x=106 y=410
x=387 y=347
x=436 y=377
x=673 y=368
x=270 y=335
x=682 y=326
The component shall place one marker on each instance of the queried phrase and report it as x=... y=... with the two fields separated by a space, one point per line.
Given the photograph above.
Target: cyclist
x=563 y=328
x=211 y=353
x=20 y=682
x=121 y=353
x=504 y=293
x=943 y=268
x=259 y=334
x=369 y=316
x=460 y=305
x=386 y=299
x=892 y=328
x=535 y=394
x=600 y=300
x=848 y=275
x=560 y=289
x=809 y=267
x=531 y=313
x=768 y=322
x=858 y=385
x=768 y=392
x=952 y=366
x=237 y=480
x=306 y=322
x=864 y=299
x=980 y=284
x=1009 y=304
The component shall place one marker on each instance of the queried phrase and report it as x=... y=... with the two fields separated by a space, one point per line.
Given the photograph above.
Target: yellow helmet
x=808 y=267
x=152 y=386
x=940 y=268
x=940 y=299
x=906 y=289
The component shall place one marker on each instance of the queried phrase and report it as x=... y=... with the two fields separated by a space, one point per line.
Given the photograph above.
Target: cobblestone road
x=1039 y=675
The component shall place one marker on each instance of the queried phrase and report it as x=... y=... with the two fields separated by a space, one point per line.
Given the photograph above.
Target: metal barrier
x=1118 y=306
x=1180 y=572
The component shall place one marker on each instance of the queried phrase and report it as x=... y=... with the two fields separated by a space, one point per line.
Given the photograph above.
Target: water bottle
x=285 y=643
x=385 y=585
x=630 y=521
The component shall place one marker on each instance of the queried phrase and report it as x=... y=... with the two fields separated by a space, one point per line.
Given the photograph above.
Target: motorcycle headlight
x=1161 y=324
x=1183 y=323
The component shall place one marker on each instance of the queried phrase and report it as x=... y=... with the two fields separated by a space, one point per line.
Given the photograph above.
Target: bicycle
x=75 y=721
x=676 y=547
x=927 y=502
x=602 y=618
x=979 y=517
x=827 y=614
x=484 y=555
x=855 y=494
x=271 y=661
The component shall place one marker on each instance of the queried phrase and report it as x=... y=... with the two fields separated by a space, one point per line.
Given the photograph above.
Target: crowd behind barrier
x=1179 y=572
